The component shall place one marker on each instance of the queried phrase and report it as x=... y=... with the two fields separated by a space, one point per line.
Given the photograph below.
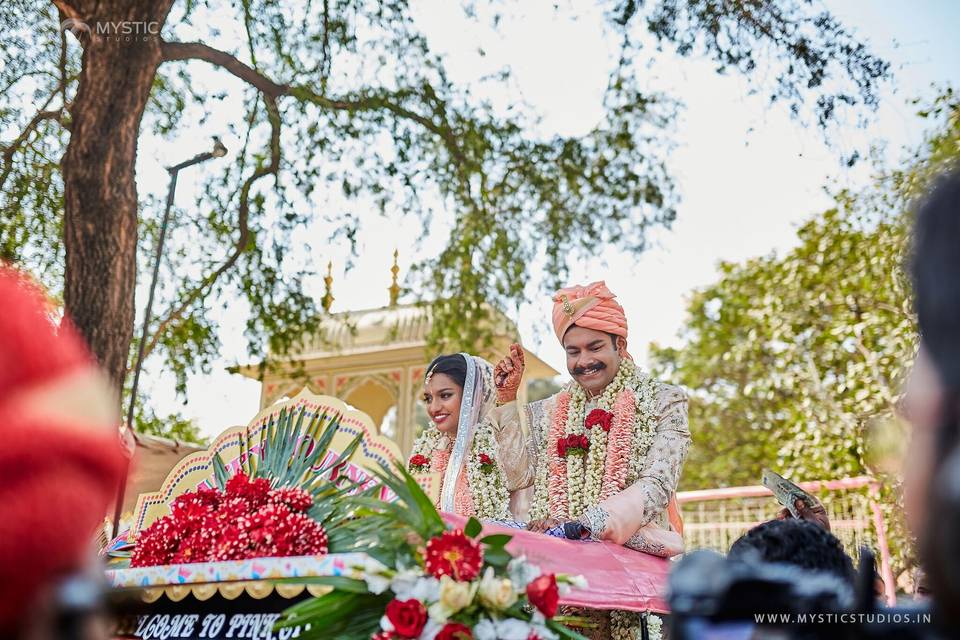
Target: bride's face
x=442 y=396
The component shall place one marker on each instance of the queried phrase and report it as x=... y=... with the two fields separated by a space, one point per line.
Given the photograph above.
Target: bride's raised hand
x=507 y=374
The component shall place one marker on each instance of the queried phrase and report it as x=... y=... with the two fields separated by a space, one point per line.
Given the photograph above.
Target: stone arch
x=373 y=396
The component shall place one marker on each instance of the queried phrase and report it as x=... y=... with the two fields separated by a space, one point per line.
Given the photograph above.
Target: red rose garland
x=599 y=417
x=573 y=444
x=419 y=463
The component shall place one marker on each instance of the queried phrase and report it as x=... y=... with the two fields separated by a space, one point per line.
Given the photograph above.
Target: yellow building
x=375 y=360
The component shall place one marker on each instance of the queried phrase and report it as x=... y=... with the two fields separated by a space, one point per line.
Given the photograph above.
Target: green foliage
x=795 y=361
x=173 y=426
x=540 y=389
x=347 y=98
x=289 y=453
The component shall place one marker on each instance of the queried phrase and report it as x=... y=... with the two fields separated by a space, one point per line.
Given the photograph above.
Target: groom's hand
x=507 y=375
x=540 y=526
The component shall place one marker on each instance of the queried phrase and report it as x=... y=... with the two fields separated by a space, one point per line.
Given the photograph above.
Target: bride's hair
x=452 y=365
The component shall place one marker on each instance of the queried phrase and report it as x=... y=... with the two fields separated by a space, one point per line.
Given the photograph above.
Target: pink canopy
x=617 y=577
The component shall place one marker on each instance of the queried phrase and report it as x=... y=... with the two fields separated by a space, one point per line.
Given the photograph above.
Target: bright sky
x=747 y=175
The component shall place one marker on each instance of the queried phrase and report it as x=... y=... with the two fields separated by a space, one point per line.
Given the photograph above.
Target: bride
x=460 y=398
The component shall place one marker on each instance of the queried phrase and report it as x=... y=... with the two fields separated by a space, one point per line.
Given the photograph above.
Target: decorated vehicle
x=304 y=524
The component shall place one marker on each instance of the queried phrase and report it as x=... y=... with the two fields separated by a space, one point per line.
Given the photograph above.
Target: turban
x=592 y=307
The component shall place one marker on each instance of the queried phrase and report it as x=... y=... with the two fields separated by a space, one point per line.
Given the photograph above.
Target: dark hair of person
x=935 y=271
x=798 y=543
x=452 y=365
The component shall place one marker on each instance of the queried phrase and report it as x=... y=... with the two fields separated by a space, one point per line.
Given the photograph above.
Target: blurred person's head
x=795 y=542
x=60 y=463
x=932 y=398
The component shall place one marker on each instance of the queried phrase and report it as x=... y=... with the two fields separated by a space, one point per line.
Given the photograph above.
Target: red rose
x=544 y=594
x=383 y=635
x=593 y=418
x=454 y=554
x=584 y=443
x=562 y=447
x=455 y=631
x=484 y=459
x=419 y=461
x=408 y=617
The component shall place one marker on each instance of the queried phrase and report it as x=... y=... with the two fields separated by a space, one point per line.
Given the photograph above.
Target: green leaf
x=473 y=528
x=496 y=540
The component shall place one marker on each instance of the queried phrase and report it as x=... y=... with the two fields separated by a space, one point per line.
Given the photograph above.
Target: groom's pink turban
x=592 y=307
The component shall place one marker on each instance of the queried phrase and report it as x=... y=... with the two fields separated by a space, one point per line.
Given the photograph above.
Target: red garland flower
x=454 y=554
x=573 y=444
x=247 y=520
x=486 y=462
x=455 y=631
x=419 y=461
x=599 y=417
x=544 y=594
x=408 y=617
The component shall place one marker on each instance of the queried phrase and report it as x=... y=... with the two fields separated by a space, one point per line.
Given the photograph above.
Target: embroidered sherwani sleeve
x=513 y=446
x=646 y=499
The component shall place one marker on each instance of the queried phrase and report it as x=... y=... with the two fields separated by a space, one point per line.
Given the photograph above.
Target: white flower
x=430 y=630
x=485 y=630
x=578 y=581
x=385 y=624
x=522 y=572
x=374 y=575
x=454 y=596
x=496 y=593
x=403 y=581
x=512 y=629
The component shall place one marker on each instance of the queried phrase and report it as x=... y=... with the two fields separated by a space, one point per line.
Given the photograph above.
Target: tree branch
x=6 y=160
x=173 y=51
x=243 y=236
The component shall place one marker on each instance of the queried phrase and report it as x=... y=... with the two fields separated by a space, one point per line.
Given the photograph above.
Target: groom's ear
x=621 y=345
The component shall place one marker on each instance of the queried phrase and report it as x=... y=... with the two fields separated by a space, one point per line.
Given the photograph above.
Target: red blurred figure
x=60 y=457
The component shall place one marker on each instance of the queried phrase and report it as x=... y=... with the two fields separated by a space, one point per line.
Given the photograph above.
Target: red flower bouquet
x=246 y=520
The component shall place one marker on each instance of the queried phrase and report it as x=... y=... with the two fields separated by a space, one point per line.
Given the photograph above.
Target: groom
x=608 y=449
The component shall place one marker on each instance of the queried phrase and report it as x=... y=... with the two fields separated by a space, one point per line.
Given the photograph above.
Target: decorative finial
x=394 y=287
x=327 y=300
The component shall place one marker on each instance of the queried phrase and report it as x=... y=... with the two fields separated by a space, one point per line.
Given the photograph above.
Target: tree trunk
x=100 y=193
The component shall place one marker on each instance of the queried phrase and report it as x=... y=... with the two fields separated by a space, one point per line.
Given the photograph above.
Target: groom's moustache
x=579 y=371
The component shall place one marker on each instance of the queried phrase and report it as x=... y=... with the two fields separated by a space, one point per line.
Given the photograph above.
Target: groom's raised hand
x=507 y=374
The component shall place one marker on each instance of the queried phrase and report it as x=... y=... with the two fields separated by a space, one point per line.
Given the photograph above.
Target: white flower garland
x=585 y=473
x=488 y=488
x=491 y=500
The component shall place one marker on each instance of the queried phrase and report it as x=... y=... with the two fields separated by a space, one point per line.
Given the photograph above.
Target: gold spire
x=394 y=287
x=327 y=300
